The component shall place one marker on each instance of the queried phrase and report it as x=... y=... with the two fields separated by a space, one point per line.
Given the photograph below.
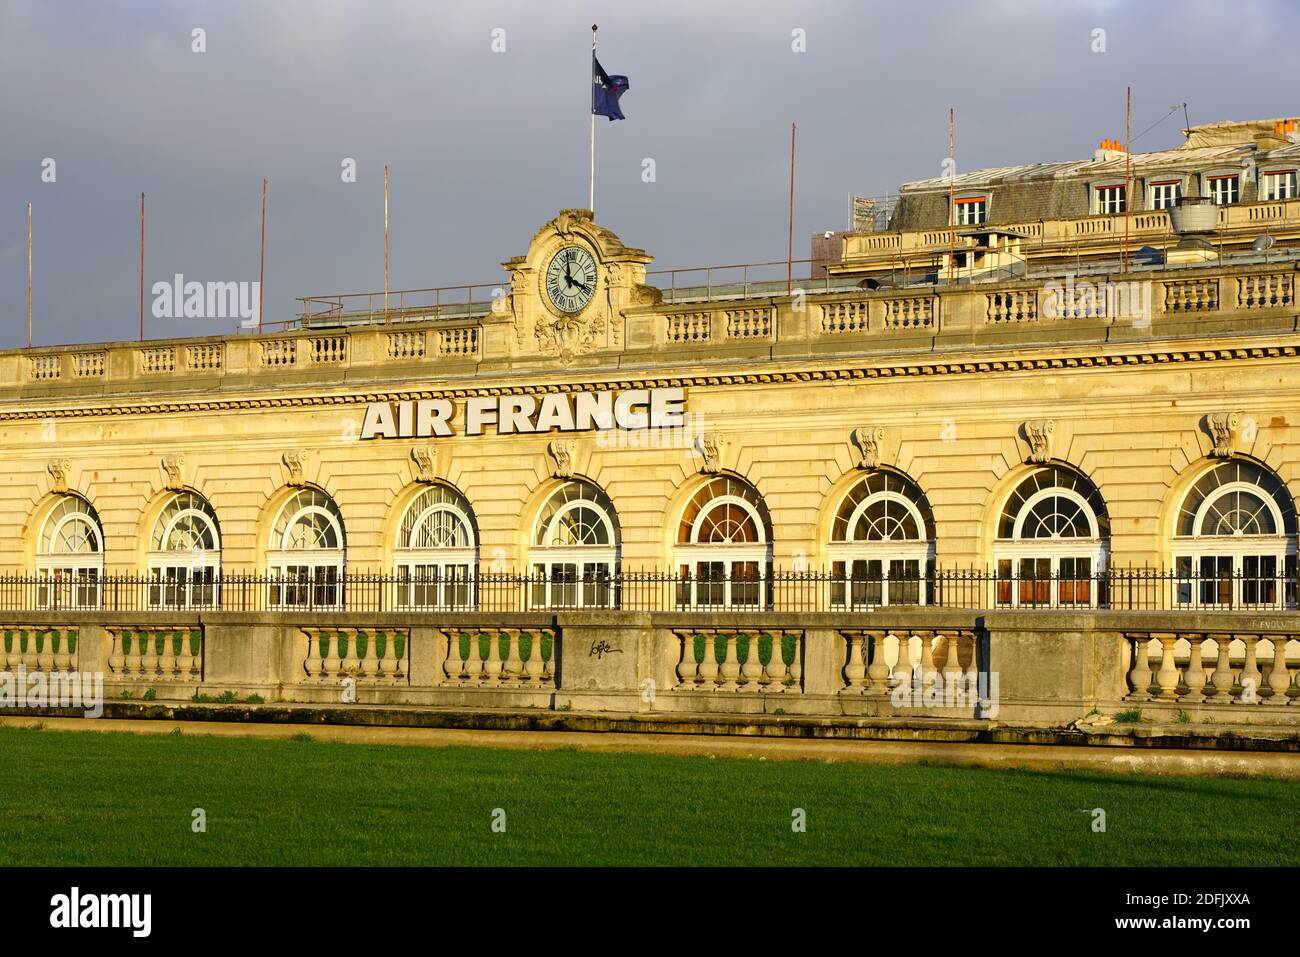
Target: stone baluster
x=400 y=648
x=855 y=672
x=689 y=669
x=877 y=671
x=473 y=659
x=752 y=669
x=1139 y=676
x=371 y=662
x=730 y=666
x=1249 y=680
x=1279 y=678
x=454 y=666
x=1167 y=676
x=149 y=654
x=903 y=666
x=311 y=663
x=776 y=669
x=347 y=639
x=709 y=666
x=1195 y=677
x=952 y=674
x=928 y=670
x=45 y=659
x=62 y=656
x=1219 y=689
x=796 y=666
x=492 y=668
x=534 y=667
x=131 y=640
x=167 y=660
x=333 y=655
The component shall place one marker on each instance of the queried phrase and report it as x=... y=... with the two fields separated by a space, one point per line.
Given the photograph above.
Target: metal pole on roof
x=952 y=185
x=1128 y=166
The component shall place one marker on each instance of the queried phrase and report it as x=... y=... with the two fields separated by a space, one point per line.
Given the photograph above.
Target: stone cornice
x=979 y=366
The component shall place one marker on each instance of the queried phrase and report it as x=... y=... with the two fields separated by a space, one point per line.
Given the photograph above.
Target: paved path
x=1035 y=756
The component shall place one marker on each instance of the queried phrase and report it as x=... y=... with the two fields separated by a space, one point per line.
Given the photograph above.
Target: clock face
x=571 y=279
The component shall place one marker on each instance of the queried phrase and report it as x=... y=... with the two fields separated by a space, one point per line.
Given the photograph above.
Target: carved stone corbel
x=58 y=469
x=710 y=446
x=867 y=440
x=560 y=452
x=172 y=465
x=1222 y=428
x=422 y=455
x=296 y=462
x=1039 y=433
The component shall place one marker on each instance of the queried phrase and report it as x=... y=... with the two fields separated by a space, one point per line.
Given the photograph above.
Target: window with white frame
x=1235 y=539
x=1164 y=195
x=1108 y=199
x=307 y=551
x=1278 y=184
x=70 y=555
x=1053 y=541
x=184 y=558
x=970 y=211
x=882 y=544
x=436 y=554
x=724 y=547
x=1224 y=190
x=575 y=553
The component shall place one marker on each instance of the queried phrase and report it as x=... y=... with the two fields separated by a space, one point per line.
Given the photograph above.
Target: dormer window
x=970 y=211
x=1223 y=190
x=1109 y=199
x=1278 y=184
x=1164 y=194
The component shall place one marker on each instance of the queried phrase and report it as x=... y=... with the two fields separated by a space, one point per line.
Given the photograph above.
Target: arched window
x=1053 y=541
x=724 y=546
x=882 y=544
x=184 y=559
x=306 y=551
x=1235 y=538
x=70 y=555
x=436 y=554
x=575 y=549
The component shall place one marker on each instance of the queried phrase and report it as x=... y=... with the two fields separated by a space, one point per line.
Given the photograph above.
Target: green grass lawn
x=72 y=798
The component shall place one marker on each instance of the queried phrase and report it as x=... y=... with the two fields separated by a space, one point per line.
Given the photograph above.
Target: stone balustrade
x=1058 y=235
x=1220 y=668
x=879 y=660
x=753 y=660
x=40 y=648
x=499 y=658
x=376 y=656
x=1030 y=668
x=148 y=654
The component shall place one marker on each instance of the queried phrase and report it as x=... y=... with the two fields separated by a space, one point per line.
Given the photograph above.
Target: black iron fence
x=1127 y=589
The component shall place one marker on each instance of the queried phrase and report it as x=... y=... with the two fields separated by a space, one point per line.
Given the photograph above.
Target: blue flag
x=605 y=91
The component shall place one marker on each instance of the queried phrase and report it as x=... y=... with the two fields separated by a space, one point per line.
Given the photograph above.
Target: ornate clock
x=571 y=279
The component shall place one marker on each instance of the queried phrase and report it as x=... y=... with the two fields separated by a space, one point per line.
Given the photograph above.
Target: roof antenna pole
x=1128 y=167
x=952 y=185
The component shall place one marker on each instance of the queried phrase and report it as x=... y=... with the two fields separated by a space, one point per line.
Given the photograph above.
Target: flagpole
x=385 y=244
x=142 y=267
x=261 y=273
x=789 y=262
x=591 y=180
x=29 y=275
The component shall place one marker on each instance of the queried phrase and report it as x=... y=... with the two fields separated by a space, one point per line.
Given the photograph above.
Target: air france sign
x=563 y=411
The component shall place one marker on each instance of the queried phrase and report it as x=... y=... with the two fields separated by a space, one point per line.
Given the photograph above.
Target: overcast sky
x=484 y=147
